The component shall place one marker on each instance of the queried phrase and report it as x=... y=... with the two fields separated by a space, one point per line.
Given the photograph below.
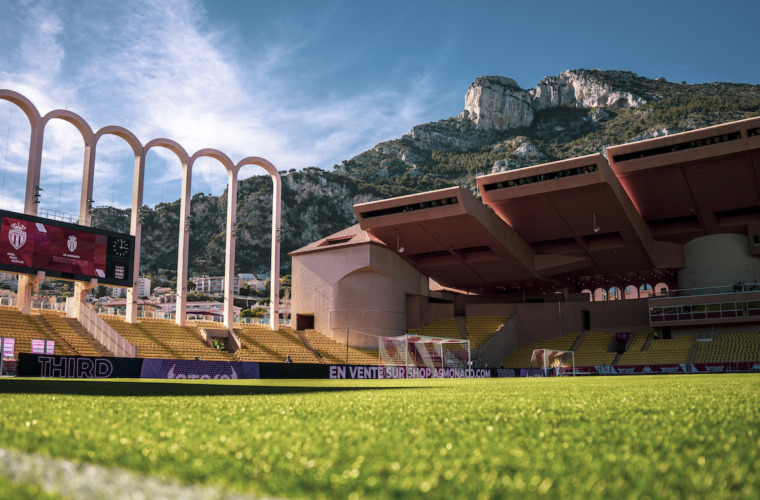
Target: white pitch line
x=93 y=482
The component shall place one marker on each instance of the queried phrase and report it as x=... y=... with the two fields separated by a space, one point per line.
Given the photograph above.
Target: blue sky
x=312 y=83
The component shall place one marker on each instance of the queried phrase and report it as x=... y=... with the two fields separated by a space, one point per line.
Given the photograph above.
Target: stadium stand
x=443 y=327
x=480 y=329
x=660 y=352
x=334 y=353
x=638 y=341
x=73 y=333
x=594 y=351
x=264 y=345
x=25 y=328
x=727 y=348
x=166 y=340
x=520 y=357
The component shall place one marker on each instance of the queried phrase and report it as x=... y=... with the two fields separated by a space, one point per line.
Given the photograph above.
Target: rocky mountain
x=501 y=127
x=577 y=112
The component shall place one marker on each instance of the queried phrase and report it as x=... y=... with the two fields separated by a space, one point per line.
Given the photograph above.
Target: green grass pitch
x=693 y=436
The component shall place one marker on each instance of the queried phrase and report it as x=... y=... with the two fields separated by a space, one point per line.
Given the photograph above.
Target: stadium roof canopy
x=584 y=221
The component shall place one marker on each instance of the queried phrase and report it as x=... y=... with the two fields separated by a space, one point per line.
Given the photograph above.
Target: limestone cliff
x=584 y=89
x=498 y=103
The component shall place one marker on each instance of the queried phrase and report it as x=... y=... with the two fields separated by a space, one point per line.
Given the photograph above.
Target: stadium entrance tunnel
x=304 y=321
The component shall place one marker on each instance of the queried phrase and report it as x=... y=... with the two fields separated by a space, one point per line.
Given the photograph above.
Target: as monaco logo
x=72 y=243
x=17 y=235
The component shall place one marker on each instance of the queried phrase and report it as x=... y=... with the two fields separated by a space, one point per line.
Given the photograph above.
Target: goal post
x=415 y=352
x=553 y=362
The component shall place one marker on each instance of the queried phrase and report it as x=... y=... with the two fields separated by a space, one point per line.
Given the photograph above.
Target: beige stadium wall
x=535 y=322
x=359 y=290
x=718 y=260
x=420 y=312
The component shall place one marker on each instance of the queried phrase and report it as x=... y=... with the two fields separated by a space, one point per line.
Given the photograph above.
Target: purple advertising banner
x=670 y=369
x=189 y=369
x=397 y=372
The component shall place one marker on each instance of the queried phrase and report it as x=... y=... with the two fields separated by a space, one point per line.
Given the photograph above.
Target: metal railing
x=61 y=216
x=170 y=316
x=710 y=290
x=105 y=334
x=713 y=310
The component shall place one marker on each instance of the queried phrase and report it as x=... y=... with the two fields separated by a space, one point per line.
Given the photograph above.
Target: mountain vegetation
x=584 y=111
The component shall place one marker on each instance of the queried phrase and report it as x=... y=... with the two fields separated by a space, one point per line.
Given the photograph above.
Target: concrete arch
x=230 y=236
x=261 y=162
x=171 y=145
x=215 y=154
x=138 y=182
x=29 y=109
x=69 y=116
x=274 y=307
x=123 y=133
x=37 y=125
x=35 y=146
x=184 y=217
x=88 y=163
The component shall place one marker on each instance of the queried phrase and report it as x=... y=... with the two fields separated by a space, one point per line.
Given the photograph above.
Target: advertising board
x=30 y=244
x=42 y=365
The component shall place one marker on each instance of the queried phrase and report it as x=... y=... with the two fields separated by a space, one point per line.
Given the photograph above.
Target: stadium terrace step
x=335 y=353
x=480 y=329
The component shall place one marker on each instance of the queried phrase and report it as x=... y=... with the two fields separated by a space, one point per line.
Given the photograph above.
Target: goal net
x=416 y=353
x=553 y=362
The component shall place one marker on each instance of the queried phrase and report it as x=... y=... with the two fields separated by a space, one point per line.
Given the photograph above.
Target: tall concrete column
x=80 y=296
x=85 y=211
x=25 y=282
x=135 y=229
x=274 y=305
x=184 y=244
x=229 y=253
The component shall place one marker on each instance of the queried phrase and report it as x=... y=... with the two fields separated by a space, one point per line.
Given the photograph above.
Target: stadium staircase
x=334 y=353
x=658 y=352
x=579 y=341
x=482 y=328
x=73 y=333
x=262 y=344
x=520 y=357
x=24 y=328
x=461 y=322
x=164 y=339
x=302 y=335
x=595 y=350
x=442 y=328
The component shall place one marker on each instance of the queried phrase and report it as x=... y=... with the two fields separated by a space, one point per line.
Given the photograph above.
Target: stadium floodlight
x=552 y=361
x=437 y=356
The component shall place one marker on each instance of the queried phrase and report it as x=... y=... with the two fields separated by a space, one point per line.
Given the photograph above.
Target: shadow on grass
x=83 y=387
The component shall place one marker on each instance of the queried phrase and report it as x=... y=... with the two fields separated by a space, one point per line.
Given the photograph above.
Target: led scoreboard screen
x=29 y=244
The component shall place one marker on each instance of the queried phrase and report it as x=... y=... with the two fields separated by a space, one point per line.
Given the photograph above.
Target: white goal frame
x=553 y=361
x=406 y=351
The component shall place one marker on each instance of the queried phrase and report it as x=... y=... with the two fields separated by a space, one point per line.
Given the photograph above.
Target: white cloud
x=158 y=69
